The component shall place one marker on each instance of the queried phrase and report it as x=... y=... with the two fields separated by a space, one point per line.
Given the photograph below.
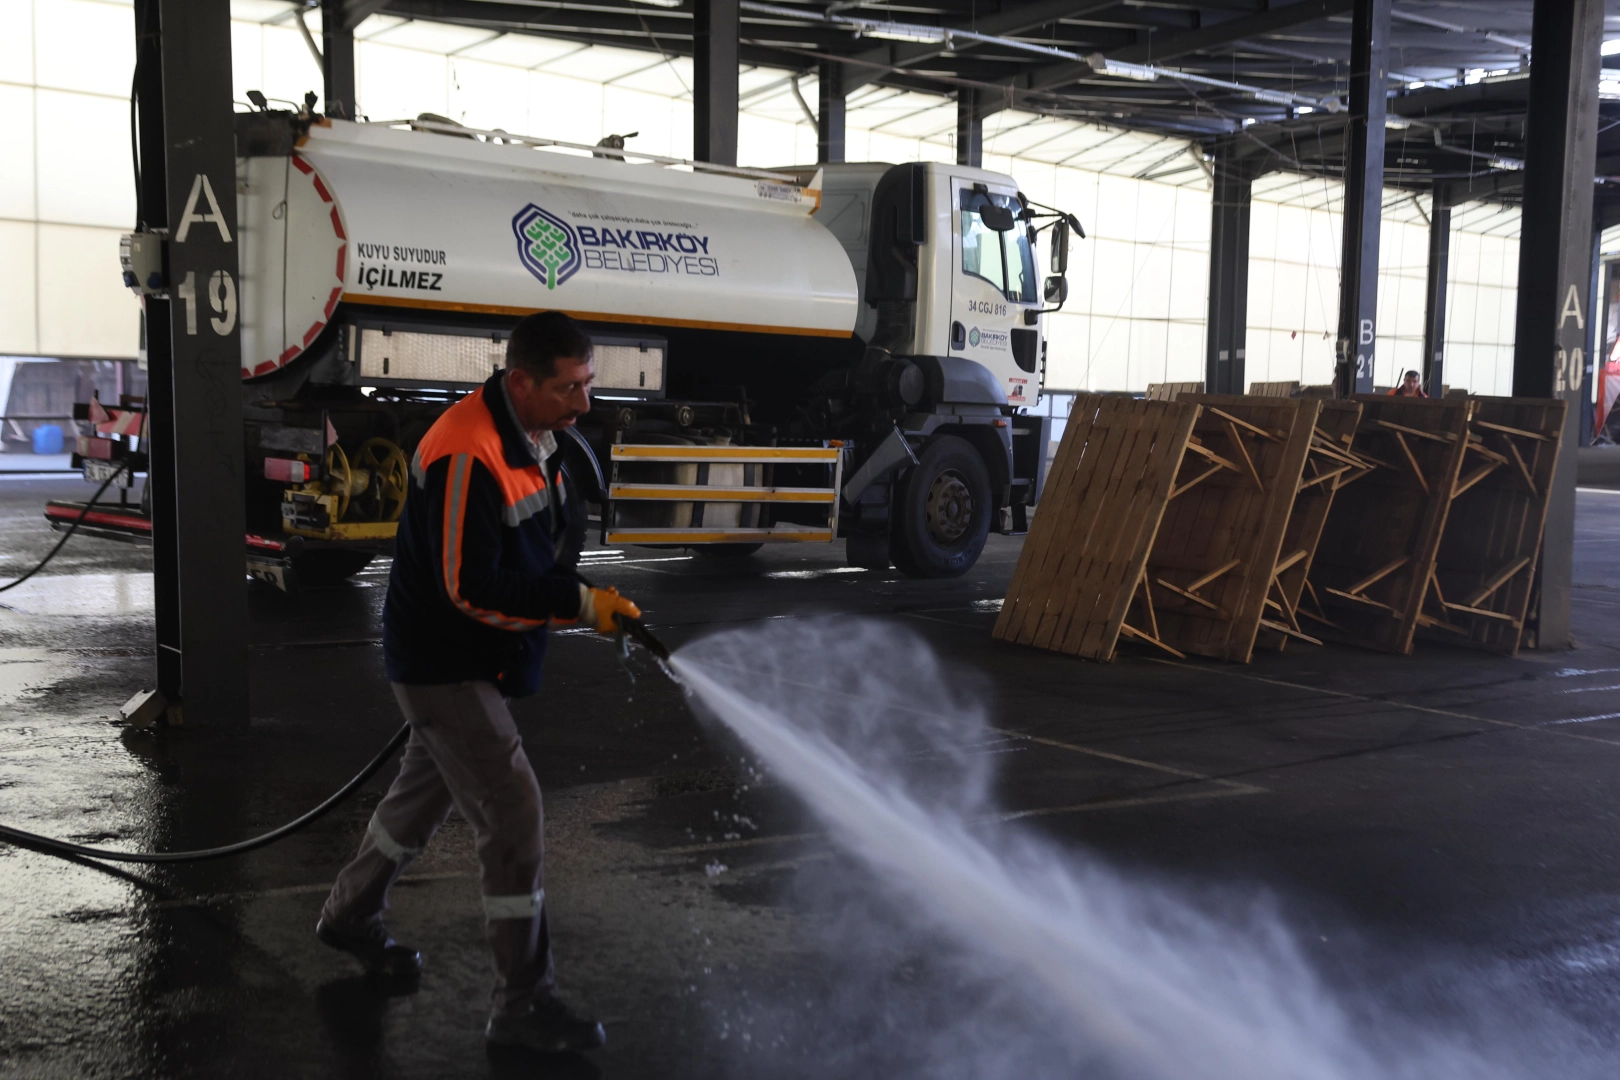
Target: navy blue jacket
x=485 y=553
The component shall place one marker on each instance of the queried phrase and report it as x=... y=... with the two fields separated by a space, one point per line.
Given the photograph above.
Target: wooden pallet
x=1214 y=564
x=1479 y=590
x=1121 y=461
x=1331 y=464
x=1274 y=389
x=1169 y=391
x=1382 y=536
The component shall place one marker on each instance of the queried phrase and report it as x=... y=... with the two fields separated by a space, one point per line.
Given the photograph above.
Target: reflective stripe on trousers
x=465 y=751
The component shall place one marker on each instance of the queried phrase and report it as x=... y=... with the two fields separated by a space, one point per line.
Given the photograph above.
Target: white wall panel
x=1150 y=284
x=1149 y=351
x=1184 y=351
x=489 y=96
x=84 y=308
x=85 y=172
x=247 y=59
x=289 y=71
x=19 y=330
x=84 y=45
x=17 y=43
x=765 y=142
x=17 y=136
x=397 y=84
x=581 y=120
x=1065 y=345
x=1189 y=281
x=624 y=111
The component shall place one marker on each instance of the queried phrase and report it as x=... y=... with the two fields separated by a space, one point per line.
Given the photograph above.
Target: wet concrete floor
x=1450 y=808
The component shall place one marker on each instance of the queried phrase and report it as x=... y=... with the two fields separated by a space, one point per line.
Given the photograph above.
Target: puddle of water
x=805 y=574
x=82 y=594
x=22 y=670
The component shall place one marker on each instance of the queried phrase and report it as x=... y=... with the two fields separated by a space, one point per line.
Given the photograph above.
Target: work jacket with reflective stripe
x=485 y=554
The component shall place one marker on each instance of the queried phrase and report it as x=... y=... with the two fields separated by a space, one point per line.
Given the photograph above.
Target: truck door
x=992 y=285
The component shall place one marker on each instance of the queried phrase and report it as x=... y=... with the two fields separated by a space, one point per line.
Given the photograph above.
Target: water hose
x=48 y=846
x=633 y=628
x=116 y=473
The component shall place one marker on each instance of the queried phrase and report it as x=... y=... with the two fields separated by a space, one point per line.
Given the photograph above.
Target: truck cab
x=977 y=294
x=945 y=258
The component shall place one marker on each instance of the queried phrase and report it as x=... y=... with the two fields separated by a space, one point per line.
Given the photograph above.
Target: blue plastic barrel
x=47 y=439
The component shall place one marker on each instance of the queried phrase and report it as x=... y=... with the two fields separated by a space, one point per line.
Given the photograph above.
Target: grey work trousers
x=464 y=751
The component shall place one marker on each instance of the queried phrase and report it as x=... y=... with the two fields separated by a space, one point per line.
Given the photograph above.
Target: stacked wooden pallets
x=1169 y=391
x=1331 y=464
x=1211 y=582
x=1187 y=526
x=1382 y=535
x=1274 y=389
x=1211 y=524
x=1106 y=491
x=1481 y=584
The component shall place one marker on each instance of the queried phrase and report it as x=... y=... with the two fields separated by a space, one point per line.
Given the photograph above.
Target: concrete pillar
x=1555 y=264
x=969 y=128
x=337 y=60
x=830 y=113
x=1228 y=276
x=1363 y=196
x=194 y=357
x=1434 y=309
x=716 y=51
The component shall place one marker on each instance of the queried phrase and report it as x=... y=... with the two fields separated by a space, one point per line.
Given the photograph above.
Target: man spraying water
x=485 y=559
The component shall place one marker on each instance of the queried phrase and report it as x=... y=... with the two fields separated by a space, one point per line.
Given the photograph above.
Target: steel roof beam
x=1231 y=30
x=1016 y=20
x=1193 y=41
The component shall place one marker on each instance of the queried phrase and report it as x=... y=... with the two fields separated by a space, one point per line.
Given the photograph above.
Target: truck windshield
x=1005 y=260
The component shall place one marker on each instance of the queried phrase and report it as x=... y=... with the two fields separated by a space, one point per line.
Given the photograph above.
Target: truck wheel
x=328 y=566
x=942 y=511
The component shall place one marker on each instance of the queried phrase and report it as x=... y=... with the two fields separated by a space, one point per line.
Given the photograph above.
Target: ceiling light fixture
x=1104 y=66
x=920 y=35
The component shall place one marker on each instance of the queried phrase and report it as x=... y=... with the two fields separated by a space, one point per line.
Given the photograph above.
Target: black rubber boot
x=376 y=948
x=545 y=1025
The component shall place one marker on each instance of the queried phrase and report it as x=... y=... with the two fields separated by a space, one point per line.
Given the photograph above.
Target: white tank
x=367 y=214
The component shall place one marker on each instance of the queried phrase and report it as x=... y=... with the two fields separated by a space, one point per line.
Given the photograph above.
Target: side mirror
x=999 y=218
x=1057 y=290
x=1060 y=248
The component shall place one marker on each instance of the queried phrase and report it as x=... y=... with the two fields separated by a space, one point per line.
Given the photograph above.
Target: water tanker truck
x=782 y=355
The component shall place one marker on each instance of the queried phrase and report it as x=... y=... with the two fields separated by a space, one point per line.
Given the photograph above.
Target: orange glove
x=600 y=609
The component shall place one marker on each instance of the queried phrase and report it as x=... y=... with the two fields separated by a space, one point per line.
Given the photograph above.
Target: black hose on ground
x=105 y=484
x=48 y=846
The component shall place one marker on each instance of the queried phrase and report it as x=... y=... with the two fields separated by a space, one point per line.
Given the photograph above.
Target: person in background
x=484 y=561
x=1411 y=386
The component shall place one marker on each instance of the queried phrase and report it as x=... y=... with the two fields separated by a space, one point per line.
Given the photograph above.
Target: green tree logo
x=546 y=245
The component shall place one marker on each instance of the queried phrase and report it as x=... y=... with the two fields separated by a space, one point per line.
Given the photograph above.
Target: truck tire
x=942 y=511
x=328 y=566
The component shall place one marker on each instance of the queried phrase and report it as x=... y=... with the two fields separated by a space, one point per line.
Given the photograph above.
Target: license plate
x=97 y=472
